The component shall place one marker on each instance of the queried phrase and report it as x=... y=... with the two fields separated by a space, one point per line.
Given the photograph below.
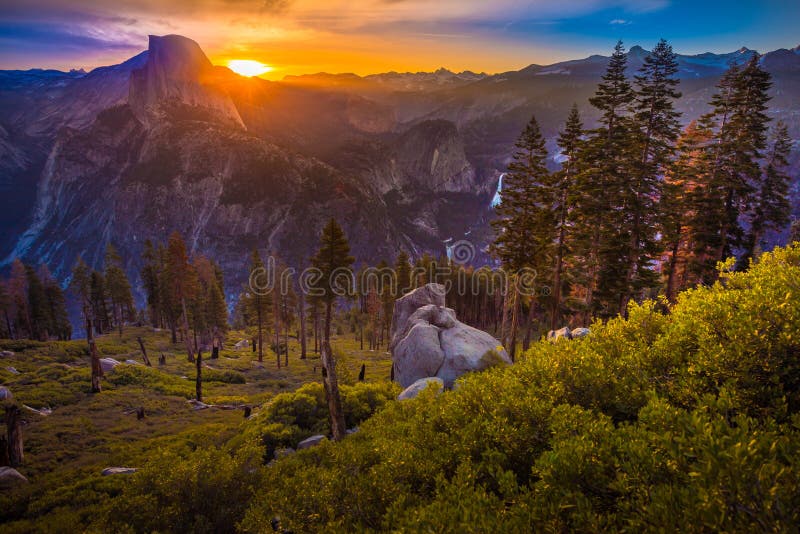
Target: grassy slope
x=65 y=451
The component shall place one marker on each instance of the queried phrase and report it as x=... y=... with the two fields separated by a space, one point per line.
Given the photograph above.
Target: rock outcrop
x=429 y=341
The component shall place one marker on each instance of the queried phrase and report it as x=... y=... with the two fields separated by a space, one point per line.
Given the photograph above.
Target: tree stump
x=140 y=413
x=247 y=411
x=144 y=352
x=362 y=372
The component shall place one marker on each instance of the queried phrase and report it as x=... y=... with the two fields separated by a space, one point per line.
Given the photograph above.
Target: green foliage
x=125 y=375
x=291 y=417
x=226 y=377
x=684 y=421
x=204 y=490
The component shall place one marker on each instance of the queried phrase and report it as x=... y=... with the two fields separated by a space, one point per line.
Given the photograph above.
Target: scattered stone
x=310 y=442
x=108 y=364
x=241 y=344
x=427 y=340
x=133 y=362
x=10 y=477
x=555 y=335
x=351 y=430
x=5 y=394
x=43 y=412
x=118 y=471
x=12 y=371
x=580 y=332
x=281 y=453
x=6 y=354
x=419 y=386
x=185 y=377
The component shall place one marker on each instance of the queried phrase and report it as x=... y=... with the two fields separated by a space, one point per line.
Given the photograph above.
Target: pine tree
x=81 y=286
x=770 y=209
x=569 y=142
x=738 y=125
x=656 y=127
x=403 y=270
x=37 y=304
x=680 y=209
x=606 y=162
x=18 y=295
x=258 y=302
x=332 y=258
x=5 y=309
x=182 y=284
x=60 y=326
x=118 y=287
x=150 y=274
x=525 y=225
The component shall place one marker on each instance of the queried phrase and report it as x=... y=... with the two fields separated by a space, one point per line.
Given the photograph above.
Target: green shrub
x=683 y=421
x=124 y=375
x=226 y=377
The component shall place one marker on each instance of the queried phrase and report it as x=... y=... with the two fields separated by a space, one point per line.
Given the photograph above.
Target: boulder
x=6 y=354
x=555 y=335
x=108 y=364
x=421 y=385
x=5 y=394
x=580 y=332
x=118 y=471
x=310 y=442
x=10 y=477
x=427 y=340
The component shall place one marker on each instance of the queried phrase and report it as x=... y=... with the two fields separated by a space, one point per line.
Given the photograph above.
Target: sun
x=248 y=67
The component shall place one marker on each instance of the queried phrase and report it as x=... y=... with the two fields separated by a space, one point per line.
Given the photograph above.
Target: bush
x=139 y=375
x=226 y=377
x=684 y=421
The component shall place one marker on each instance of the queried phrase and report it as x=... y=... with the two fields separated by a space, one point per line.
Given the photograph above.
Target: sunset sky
x=305 y=36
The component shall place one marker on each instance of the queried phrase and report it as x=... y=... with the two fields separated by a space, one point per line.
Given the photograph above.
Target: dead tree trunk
x=144 y=352
x=198 y=385
x=338 y=427
x=97 y=369
x=186 y=338
x=14 y=435
x=4 y=460
x=302 y=312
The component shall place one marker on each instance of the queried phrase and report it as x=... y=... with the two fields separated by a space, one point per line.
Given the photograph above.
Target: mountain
x=167 y=141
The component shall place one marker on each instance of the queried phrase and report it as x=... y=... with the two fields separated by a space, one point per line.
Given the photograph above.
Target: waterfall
x=496 y=198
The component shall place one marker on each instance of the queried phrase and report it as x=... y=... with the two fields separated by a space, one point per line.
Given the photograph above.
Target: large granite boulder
x=429 y=341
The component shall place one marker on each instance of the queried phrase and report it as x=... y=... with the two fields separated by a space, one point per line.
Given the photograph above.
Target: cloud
x=619 y=22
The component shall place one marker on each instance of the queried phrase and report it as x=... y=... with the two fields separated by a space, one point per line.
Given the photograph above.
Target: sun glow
x=248 y=67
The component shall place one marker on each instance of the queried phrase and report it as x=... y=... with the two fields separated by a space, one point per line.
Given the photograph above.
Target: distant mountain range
x=167 y=141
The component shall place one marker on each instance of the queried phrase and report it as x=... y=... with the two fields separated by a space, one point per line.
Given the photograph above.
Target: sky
x=369 y=36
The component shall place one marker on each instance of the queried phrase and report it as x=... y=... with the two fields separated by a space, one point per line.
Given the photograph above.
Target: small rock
x=118 y=471
x=310 y=442
x=580 y=332
x=10 y=477
x=5 y=394
x=133 y=362
x=6 y=354
x=555 y=335
x=351 y=430
x=12 y=370
x=241 y=344
x=280 y=453
x=420 y=385
x=108 y=364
